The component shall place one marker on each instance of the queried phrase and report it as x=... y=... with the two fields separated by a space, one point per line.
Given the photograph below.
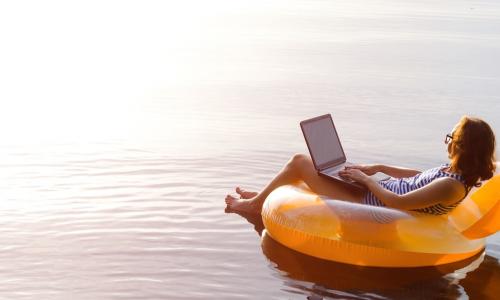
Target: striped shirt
x=402 y=186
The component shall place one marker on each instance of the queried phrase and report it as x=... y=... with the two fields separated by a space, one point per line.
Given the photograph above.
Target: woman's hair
x=473 y=151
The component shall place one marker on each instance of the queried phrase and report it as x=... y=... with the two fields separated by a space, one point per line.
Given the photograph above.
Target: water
x=125 y=124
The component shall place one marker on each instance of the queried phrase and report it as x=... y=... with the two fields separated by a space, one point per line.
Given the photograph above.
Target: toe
x=230 y=199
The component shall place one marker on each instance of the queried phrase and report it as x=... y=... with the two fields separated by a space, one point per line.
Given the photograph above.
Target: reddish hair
x=472 y=151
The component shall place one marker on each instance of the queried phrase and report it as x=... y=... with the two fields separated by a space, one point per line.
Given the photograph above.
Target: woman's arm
x=442 y=190
x=396 y=172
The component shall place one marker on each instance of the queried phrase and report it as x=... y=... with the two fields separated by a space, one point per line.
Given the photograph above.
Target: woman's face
x=451 y=141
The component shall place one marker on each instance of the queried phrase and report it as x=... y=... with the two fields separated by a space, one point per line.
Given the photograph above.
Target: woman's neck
x=452 y=169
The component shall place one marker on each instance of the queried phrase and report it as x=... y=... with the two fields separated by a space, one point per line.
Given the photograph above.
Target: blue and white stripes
x=402 y=186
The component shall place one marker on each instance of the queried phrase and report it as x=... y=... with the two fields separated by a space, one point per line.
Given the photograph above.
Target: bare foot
x=243 y=205
x=244 y=194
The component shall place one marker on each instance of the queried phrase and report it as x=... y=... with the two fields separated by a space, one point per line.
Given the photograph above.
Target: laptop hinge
x=332 y=164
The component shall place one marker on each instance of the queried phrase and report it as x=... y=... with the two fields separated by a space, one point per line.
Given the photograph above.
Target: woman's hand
x=355 y=174
x=367 y=169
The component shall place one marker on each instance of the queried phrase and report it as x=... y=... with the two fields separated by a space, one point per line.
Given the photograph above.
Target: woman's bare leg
x=300 y=167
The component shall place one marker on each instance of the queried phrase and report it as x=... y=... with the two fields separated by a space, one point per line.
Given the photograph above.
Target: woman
x=471 y=150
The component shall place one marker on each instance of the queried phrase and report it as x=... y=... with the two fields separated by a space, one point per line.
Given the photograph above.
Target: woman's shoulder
x=453 y=187
x=445 y=170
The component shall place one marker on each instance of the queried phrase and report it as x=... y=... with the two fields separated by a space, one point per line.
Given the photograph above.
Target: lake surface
x=125 y=124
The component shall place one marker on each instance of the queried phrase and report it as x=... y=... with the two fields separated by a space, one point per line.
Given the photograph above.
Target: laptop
x=325 y=148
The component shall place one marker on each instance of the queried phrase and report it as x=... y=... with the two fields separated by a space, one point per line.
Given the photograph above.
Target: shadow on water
x=476 y=277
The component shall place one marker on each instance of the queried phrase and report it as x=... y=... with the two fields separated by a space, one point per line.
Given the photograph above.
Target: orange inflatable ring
x=378 y=236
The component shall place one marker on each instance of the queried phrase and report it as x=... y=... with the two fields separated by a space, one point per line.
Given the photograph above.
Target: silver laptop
x=325 y=148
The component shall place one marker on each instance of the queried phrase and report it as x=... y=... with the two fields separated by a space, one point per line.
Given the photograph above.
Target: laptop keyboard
x=334 y=171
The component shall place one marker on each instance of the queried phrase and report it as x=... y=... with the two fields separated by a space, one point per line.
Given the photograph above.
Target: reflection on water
x=475 y=277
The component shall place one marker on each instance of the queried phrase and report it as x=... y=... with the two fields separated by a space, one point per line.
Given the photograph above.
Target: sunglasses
x=448 y=138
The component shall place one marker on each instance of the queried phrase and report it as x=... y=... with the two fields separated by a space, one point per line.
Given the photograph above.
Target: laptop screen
x=323 y=141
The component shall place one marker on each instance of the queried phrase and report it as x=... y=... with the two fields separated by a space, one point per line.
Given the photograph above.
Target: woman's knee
x=299 y=160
